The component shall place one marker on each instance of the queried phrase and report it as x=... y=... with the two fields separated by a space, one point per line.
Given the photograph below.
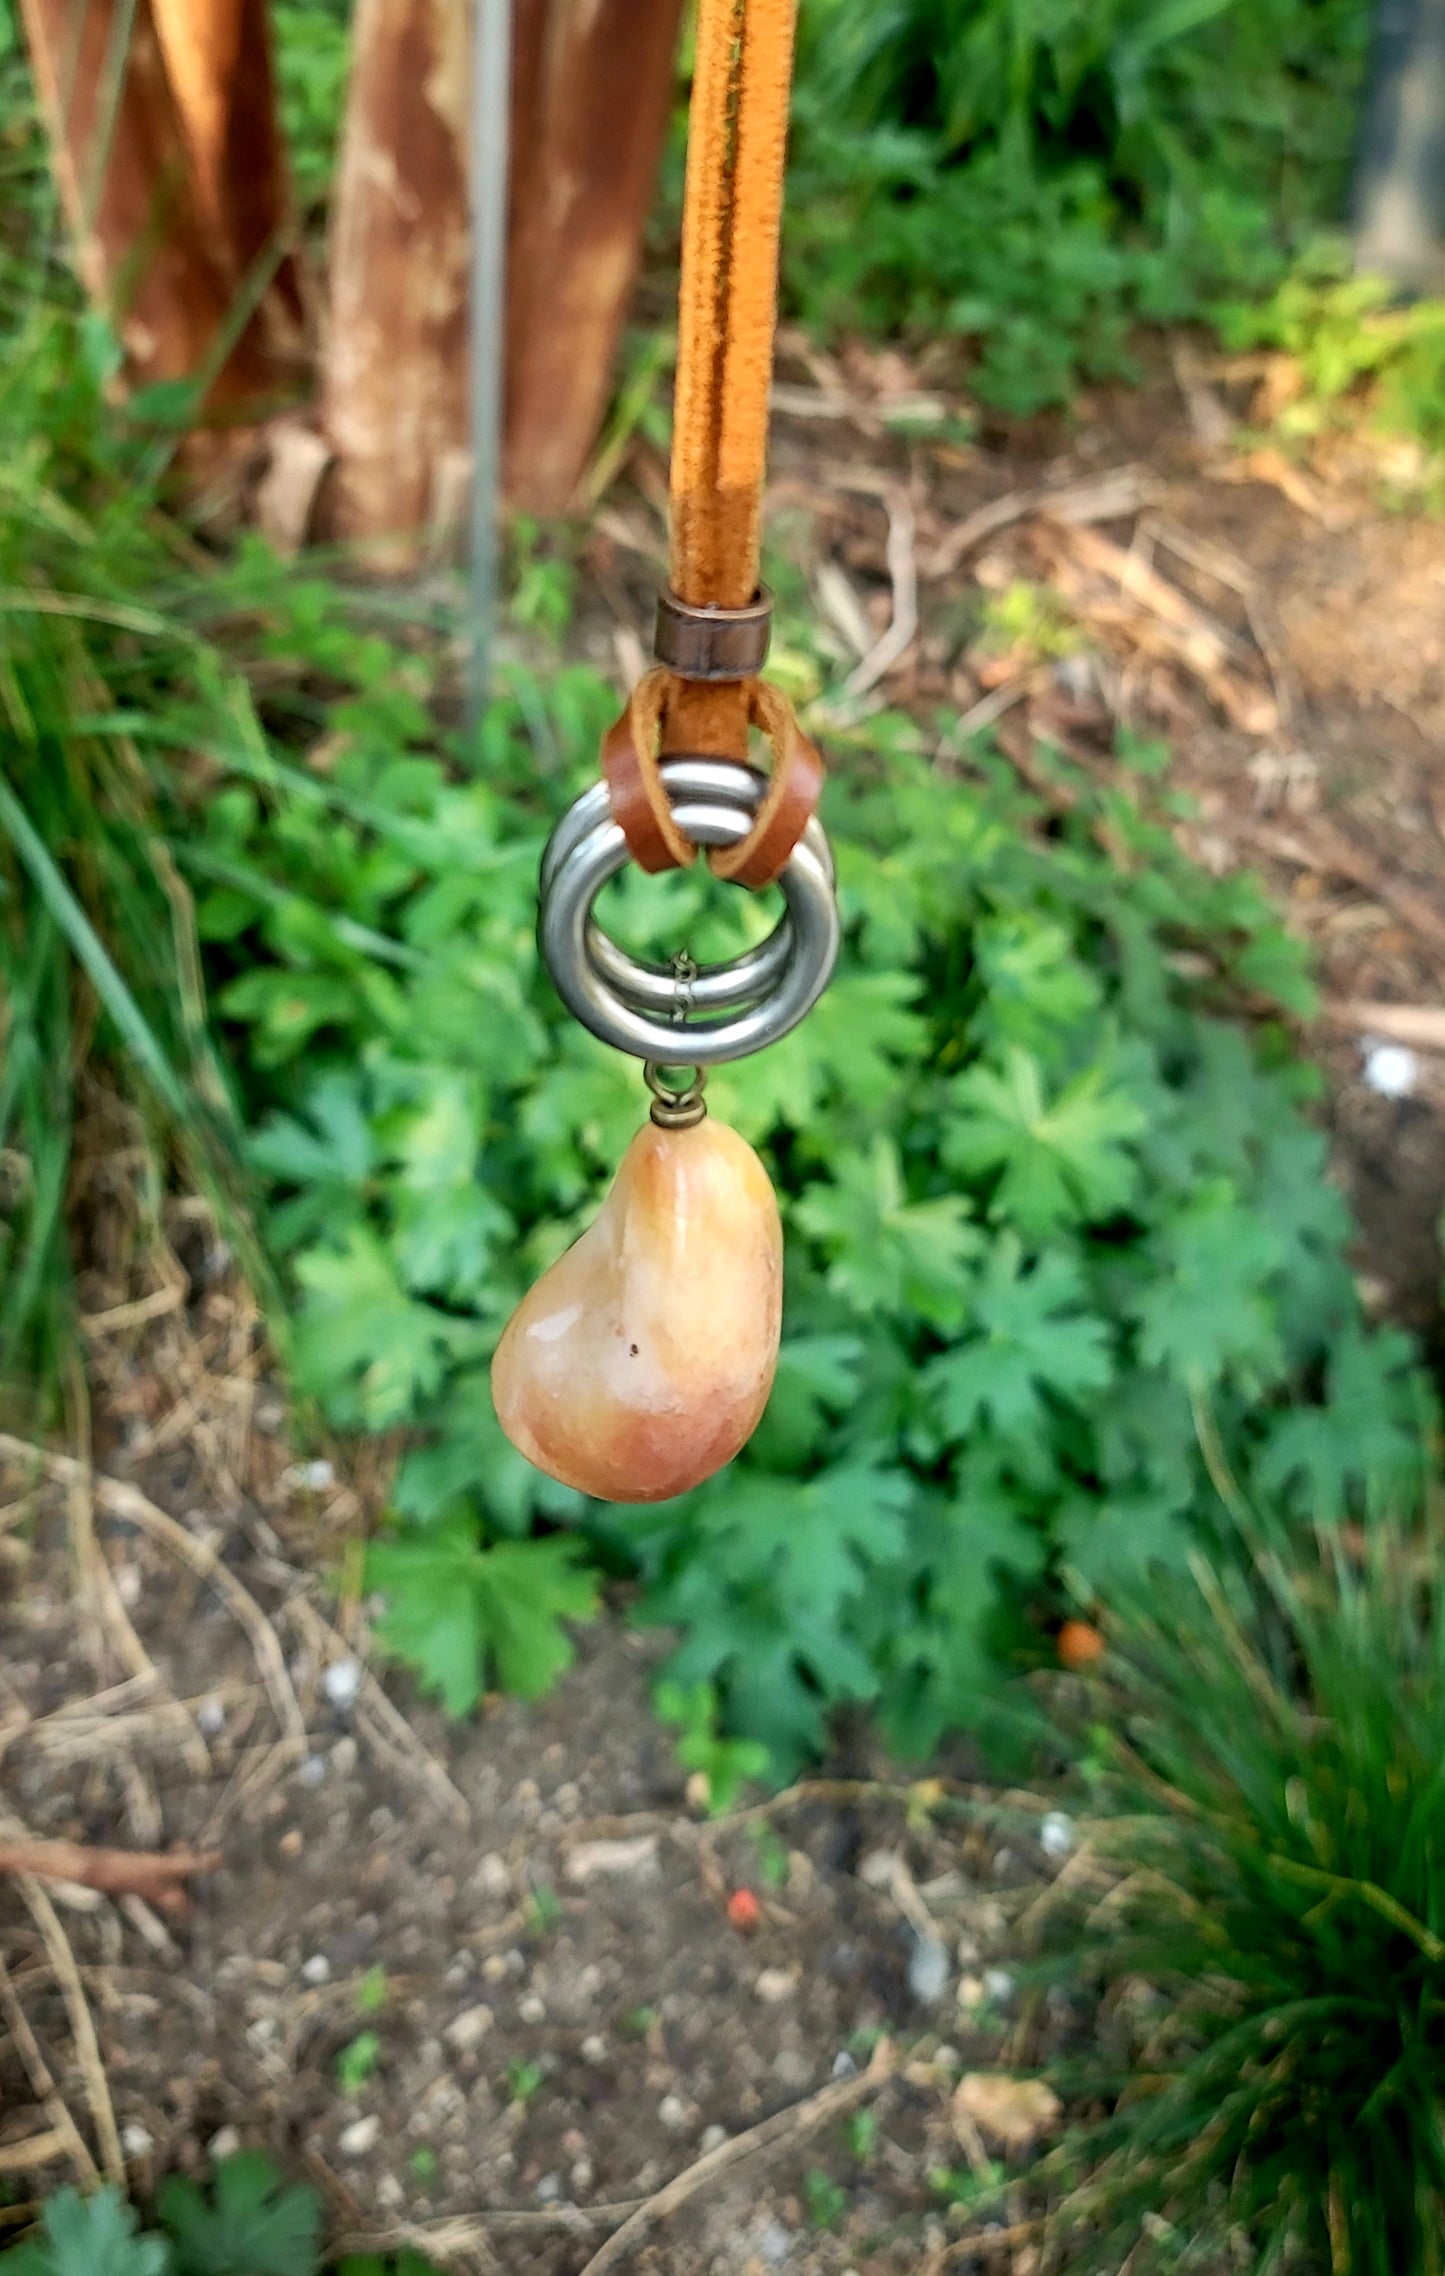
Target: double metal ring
x=682 y=1013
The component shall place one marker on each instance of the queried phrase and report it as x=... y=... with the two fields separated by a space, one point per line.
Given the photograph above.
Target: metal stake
x=491 y=114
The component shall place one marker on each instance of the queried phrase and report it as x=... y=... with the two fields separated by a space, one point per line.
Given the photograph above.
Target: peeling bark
x=394 y=361
x=144 y=247
x=219 y=61
x=591 y=96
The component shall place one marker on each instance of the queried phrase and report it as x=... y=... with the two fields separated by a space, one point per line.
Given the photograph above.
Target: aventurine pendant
x=643 y=1360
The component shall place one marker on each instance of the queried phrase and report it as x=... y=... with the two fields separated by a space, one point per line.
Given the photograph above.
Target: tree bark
x=591 y=83
x=144 y=247
x=394 y=391
x=219 y=61
x=590 y=105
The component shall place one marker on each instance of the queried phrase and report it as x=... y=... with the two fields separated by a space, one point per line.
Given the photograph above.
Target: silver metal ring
x=647 y=1009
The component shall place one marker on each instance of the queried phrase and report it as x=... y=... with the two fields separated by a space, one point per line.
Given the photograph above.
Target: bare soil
x=524 y=1910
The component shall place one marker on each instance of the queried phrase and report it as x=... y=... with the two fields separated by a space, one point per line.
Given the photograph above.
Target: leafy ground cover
x=246 y=2222
x=1045 y=1193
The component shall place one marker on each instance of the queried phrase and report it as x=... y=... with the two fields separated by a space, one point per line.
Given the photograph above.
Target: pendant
x=642 y=1361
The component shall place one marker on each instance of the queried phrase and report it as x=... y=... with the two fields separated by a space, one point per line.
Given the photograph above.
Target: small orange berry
x=1078 y=1644
x=744 y=1911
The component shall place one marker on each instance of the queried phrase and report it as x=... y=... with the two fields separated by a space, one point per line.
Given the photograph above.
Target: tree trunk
x=144 y=247
x=589 y=101
x=218 y=58
x=591 y=98
x=394 y=390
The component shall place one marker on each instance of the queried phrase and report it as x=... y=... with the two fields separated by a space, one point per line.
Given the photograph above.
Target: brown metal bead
x=703 y=643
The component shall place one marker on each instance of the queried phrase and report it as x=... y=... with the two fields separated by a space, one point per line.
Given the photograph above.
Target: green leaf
x=1057 y=1162
x=249 y=2224
x=888 y=1253
x=93 y=2236
x=457 y=1610
x=366 y=1349
x=1111 y=1544
x=1207 y=1308
x=1365 y=1438
x=1035 y=1338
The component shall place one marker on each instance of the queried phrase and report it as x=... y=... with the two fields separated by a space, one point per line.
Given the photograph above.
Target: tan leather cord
x=737 y=140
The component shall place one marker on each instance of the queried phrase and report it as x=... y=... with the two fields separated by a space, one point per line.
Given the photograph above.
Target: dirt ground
x=522 y=1912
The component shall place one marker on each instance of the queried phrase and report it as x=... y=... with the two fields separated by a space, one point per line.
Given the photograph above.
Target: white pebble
x=844 y=2065
x=316 y=1970
x=361 y=2137
x=224 y=2144
x=342 y=1682
x=532 y=2009
x=878 y=1869
x=469 y=2029
x=136 y=2141
x=970 y=1993
x=928 y=1969
x=1056 y=1834
x=594 y=2048
x=210 y=1718
x=672 y=2113
x=548 y=2189
x=998 y=1984
x=389 y=2193
x=1392 y=1070
x=713 y=2139
x=775 y=1984
x=315 y=1476
x=313 y=1770
x=493 y=1876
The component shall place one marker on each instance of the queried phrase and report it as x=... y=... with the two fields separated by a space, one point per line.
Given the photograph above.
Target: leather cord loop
x=630 y=753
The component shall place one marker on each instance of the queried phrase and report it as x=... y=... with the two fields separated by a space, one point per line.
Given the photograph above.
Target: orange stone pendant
x=643 y=1360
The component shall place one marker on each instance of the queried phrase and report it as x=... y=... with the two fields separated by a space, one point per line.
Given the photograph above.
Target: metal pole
x=491 y=110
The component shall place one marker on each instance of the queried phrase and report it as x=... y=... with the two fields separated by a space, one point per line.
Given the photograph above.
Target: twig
x=35 y=2150
x=1328 y=848
x=902 y=631
x=42 y=2084
x=1422 y=1026
x=152 y=1874
x=129 y=1503
x=785 y=2125
x=1106 y=498
x=390 y=1733
x=82 y=2024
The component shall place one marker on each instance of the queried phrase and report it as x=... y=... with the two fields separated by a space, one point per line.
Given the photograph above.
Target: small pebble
x=582 y=2176
x=1392 y=1070
x=128 y=1585
x=594 y=2048
x=548 y=2189
x=774 y=1985
x=878 y=1868
x=210 y=1718
x=313 y=1770
x=998 y=1985
x=316 y=1970
x=136 y=2141
x=1056 y=1834
x=316 y=1476
x=361 y=2137
x=844 y=2065
x=292 y=1842
x=971 y=1993
x=928 y=1969
x=389 y=2193
x=532 y=2009
x=947 y=2058
x=672 y=2113
x=713 y=2139
x=469 y=2029
x=342 y=1681
x=224 y=2144
x=493 y=1876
